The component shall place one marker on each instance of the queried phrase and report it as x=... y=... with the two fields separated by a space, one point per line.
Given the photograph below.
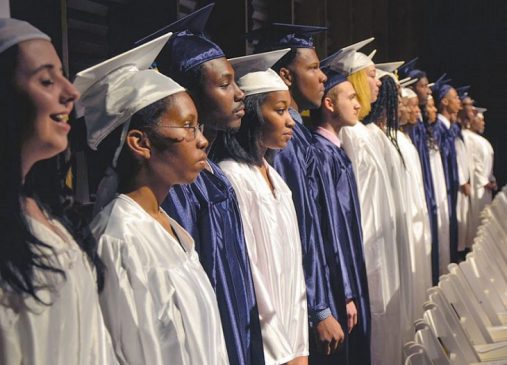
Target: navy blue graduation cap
x=194 y=22
x=333 y=78
x=409 y=70
x=463 y=92
x=440 y=88
x=188 y=47
x=280 y=35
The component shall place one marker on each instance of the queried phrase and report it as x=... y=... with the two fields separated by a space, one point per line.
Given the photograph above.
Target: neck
x=446 y=114
x=332 y=126
x=148 y=192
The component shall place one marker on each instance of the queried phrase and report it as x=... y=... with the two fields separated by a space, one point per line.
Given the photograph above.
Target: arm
x=127 y=305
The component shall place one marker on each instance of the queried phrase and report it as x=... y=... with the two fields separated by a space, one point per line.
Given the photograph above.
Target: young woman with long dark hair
x=269 y=216
x=49 y=269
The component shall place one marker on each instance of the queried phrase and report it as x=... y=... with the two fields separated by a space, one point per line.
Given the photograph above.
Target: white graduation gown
x=440 y=186
x=71 y=329
x=420 y=230
x=157 y=301
x=274 y=247
x=463 y=157
x=482 y=173
x=379 y=240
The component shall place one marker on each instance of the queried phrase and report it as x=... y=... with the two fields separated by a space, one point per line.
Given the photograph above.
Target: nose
x=239 y=95
x=379 y=83
x=202 y=142
x=289 y=122
x=69 y=92
x=322 y=76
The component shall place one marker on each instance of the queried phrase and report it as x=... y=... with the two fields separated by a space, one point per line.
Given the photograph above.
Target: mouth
x=59 y=118
x=240 y=111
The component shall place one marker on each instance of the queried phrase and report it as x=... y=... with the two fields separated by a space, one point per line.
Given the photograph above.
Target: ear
x=138 y=143
x=286 y=76
x=328 y=104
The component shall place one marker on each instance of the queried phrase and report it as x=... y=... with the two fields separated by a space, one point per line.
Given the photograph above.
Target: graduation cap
x=440 y=88
x=255 y=75
x=407 y=81
x=14 y=31
x=480 y=110
x=388 y=69
x=348 y=60
x=280 y=35
x=189 y=47
x=113 y=90
x=408 y=93
x=463 y=92
x=407 y=68
x=194 y=22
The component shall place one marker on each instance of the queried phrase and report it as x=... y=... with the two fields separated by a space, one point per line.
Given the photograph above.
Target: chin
x=234 y=124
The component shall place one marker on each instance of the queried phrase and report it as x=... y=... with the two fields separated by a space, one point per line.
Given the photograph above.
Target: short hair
x=286 y=60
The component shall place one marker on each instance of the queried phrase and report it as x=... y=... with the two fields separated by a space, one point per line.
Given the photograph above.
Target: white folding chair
x=454 y=338
x=462 y=284
x=488 y=269
x=481 y=286
x=425 y=337
x=472 y=317
x=417 y=356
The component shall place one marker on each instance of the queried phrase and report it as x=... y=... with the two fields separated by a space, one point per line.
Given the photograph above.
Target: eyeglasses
x=190 y=135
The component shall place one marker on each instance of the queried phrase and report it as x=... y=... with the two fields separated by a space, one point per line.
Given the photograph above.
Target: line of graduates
x=226 y=230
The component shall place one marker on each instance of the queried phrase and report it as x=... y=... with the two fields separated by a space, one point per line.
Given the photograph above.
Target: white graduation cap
x=14 y=31
x=480 y=110
x=407 y=81
x=254 y=74
x=387 y=69
x=114 y=90
x=408 y=93
x=348 y=60
x=389 y=66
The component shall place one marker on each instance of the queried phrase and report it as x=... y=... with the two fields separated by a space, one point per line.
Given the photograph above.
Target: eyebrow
x=47 y=66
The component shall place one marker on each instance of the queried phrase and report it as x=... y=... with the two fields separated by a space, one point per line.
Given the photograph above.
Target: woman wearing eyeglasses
x=158 y=303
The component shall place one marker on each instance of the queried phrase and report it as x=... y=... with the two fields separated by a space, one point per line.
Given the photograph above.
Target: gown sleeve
x=129 y=310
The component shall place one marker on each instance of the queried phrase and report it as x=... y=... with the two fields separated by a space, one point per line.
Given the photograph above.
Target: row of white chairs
x=465 y=317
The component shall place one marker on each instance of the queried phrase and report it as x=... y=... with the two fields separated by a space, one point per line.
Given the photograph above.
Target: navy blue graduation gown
x=209 y=211
x=298 y=167
x=445 y=138
x=342 y=230
x=419 y=136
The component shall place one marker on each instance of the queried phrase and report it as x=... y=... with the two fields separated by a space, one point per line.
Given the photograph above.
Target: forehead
x=180 y=104
x=423 y=82
x=216 y=68
x=35 y=53
x=452 y=93
x=305 y=56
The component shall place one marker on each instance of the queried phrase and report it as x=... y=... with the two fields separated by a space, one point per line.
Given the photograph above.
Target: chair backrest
x=418 y=357
x=471 y=315
x=482 y=288
x=463 y=286
x=425 y=337
x=452 y=339
x=453 y=317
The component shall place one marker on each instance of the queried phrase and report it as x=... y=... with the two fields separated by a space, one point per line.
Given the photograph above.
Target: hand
x=329 y=335
x=491 y=186
x=466 y=189
x=351 y=314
